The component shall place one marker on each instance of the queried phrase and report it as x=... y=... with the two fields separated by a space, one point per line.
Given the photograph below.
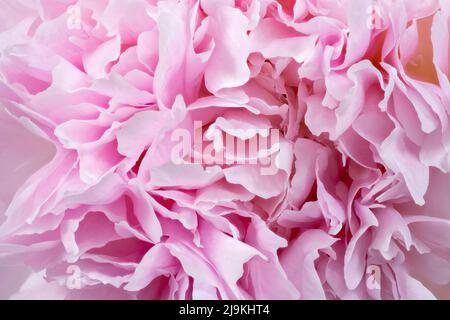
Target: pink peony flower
x=232 y=149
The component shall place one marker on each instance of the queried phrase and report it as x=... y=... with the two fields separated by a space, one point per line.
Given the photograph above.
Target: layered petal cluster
x=225 y=149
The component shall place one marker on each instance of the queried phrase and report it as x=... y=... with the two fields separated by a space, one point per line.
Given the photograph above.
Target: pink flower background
x=93 y=207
